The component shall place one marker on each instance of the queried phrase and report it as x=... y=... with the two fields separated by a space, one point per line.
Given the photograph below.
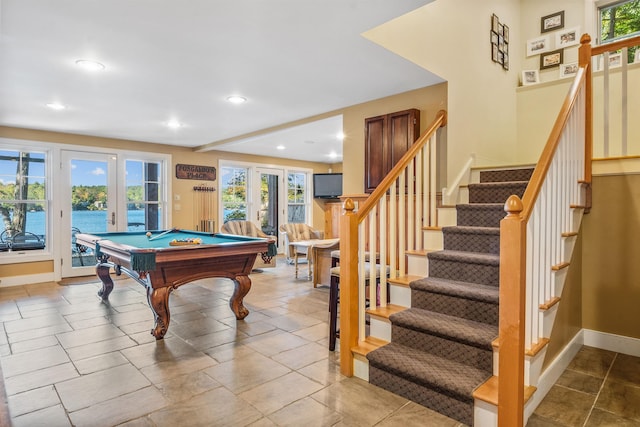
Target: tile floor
x=67 y=359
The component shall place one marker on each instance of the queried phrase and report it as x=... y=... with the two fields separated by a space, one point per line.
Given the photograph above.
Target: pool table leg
x=159 y=303
x=243 y=285
x=102 y=271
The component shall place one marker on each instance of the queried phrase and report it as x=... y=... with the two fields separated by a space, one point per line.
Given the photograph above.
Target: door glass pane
x=268 y=209
x=234 y=193
x=143 y=195
x=296 y=196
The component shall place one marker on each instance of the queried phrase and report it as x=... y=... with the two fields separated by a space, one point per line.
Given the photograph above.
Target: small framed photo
x=551 y=59
x=569 y=37
x=494 y=52
x=505 y=61
x=552 y=22
x=537 y=45
x=494 y=38
x=568 y=70
x=530 y=77
x=615 y=60
x=495 y=23
x=505 y=33
x=636 y=57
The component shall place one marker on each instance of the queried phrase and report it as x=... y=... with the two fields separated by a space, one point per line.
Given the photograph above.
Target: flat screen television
x=327 y=185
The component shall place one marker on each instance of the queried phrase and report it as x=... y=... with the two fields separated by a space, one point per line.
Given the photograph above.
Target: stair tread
x=499 y=184
x=480 y=206
x=472 y=291
x=444 y=326
x=446 y=376
x=470 y=229
x=471 y=257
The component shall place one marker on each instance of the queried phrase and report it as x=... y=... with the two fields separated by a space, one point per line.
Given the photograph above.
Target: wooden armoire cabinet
x=387 y=138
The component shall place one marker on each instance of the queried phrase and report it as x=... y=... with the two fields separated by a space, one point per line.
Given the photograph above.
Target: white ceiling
x=180 y=60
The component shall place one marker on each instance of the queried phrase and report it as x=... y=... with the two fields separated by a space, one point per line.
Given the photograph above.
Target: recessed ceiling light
x=56 y=106
x=340 y=136
x=236 y=99
x=280 y=147
x=87 y=65
x=333 y=154
x=174 y=124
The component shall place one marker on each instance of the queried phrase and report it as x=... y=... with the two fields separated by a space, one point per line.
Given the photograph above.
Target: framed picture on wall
x=551 y=59
x=530 y=77
x=569 y=37
x=495 y=23
x=636 y=57
x=538 y=45
x=615 y=60
x=552 y=22
x=568 y=70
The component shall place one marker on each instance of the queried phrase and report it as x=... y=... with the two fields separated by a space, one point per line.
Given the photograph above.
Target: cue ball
x=148 y=234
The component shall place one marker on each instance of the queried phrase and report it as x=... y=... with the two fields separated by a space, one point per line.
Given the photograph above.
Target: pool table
x=165 y=260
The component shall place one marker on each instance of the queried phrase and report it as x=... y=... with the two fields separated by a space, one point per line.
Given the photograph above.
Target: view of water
x=85 y=221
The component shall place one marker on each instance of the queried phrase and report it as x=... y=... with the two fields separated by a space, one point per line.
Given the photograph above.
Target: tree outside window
x=296 y=197
x=620 y=20
x=234 y=193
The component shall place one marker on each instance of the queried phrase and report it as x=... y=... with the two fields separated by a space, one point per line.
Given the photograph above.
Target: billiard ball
x=148 y=234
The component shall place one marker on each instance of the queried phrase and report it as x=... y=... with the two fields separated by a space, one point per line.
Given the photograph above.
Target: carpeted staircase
x=441 y=347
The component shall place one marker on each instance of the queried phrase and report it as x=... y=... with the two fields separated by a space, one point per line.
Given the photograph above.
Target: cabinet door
x=387 y=139
x=375 y=157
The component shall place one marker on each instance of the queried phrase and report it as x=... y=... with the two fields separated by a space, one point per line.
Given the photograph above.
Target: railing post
x=584 y=58
x=512 y=315
x=348 y=286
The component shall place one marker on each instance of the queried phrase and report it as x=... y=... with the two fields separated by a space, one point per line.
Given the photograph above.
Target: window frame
x=603 y=4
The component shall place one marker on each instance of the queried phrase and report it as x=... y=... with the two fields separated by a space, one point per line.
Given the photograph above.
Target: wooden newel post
x=348 y=286
x=512 y=315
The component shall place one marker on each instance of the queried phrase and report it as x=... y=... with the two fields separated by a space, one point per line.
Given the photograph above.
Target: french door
x=89 y=205
x=268 y=210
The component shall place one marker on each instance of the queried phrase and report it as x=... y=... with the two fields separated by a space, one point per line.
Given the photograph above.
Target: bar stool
x=334 y=294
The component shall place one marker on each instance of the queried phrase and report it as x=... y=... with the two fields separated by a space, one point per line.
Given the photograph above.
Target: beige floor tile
x=305 y=412
x=413 y=414
x=91 y=389
x=566 y=406
x=275 y=344
x=592 y=361
x=33 y=360
x=620 y=398
x=33 y=400
x=218 y=407
x=157 y=351
x=581 y=382
x=121 y=409
x=243 y=373
x=263 y=422
x=54 y=416
x=210 y=340
x=316 y=332
x=186 y=386
x=40 y=378
x=33 y=323
x=38 y=333
x=38 y=343
x=276 y=394
x=229 y=351
x=626 y=368
x=101 y=347
x=600 y=418
x=100 y=362
x=358 y=400
x=88 y=335
x=302 y=356
x=166 y=370
x=536 y=420
x=325 y=371
x=293 y=322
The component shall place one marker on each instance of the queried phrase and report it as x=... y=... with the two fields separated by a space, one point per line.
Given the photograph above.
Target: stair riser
x=478 y=311
x=485 y=217
x=465 y=272
x=481 y=194
x=505 y=175
x=452 y=350
x=446 y=405
x=486 y=243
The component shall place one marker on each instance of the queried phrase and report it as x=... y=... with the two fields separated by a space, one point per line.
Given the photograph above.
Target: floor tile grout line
x=604 y=380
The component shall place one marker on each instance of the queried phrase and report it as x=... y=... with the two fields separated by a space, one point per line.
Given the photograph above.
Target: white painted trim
x=29 y=279
x=612 y=342
x=552 y=373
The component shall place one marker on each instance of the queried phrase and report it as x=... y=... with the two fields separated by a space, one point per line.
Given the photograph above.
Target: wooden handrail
x=381 y=189
x=610 y=47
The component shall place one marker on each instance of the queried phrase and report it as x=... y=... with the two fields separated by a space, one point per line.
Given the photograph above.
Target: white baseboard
x=612 y=342
x=28 y=279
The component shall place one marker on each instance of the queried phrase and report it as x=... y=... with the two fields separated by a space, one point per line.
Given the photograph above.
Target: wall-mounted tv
x=327 y=185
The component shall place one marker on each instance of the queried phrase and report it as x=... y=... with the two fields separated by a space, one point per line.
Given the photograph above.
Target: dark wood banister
x=349 y=247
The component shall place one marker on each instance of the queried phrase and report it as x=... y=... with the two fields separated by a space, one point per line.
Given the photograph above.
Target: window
x=296 y=197
x=234 y=193
x=143 y=195
x=23 y=200
x=620 y=20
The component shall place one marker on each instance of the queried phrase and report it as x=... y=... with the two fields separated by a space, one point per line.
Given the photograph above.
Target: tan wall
x=451 y=39
x=610 y=267
x=38 y=267
x=428 y=100
x=569 y=317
